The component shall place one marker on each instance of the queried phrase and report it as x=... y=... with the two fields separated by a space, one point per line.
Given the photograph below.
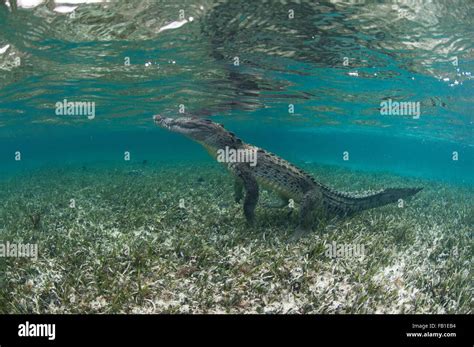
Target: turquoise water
x=334 y=62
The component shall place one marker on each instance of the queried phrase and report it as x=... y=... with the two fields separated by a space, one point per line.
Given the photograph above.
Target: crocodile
x=316 y=200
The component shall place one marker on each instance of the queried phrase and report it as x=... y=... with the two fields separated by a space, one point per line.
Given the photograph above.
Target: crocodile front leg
x=238 y=190
x=312 y=204
x=250 y=185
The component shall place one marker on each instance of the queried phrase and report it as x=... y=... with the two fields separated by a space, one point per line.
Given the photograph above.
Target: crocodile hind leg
x=312 y=204
x=251 y=191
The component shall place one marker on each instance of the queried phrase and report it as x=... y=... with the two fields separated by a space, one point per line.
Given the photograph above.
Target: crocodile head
x=201 y=130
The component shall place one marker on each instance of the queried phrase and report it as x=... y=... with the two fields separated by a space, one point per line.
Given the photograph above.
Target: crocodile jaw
x=201 y=130
x=167 y=123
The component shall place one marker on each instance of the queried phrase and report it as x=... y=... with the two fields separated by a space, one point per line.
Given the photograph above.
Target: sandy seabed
x=118 y=240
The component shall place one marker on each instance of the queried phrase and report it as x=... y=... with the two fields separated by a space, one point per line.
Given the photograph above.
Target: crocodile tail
x=345 y=204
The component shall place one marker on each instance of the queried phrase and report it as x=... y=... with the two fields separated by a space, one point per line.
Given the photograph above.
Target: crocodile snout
x=163 y=121
x=157 y=118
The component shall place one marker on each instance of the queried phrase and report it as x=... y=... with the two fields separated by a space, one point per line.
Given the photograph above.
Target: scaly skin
x=272 y=172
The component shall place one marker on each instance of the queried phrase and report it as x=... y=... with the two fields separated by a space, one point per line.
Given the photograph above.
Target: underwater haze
x=124 y=216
